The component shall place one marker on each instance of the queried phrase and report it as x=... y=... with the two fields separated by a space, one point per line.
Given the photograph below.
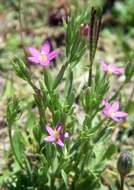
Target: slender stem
x=60 y=75
x=91 y=35
x=93 y=40
x=35 y=89
x=90 y=73
x=122 y=182
x=116 y=94
x=130 y=98
x=21 y=26
x=20 y=22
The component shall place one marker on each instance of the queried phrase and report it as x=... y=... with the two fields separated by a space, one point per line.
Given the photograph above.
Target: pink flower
x=111 y=68
x=42 y=56
x=112 y=110
x=56 y=135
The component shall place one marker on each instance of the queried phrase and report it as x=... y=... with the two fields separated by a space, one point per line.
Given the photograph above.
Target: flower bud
x=124 y=164
x=84 y=30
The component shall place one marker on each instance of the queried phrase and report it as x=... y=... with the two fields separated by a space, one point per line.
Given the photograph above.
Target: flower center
x=110 y=70
x=43 y=57
x=111 y=113
x=56 y=134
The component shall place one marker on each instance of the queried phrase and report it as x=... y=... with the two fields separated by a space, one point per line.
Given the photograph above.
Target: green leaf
x=55 y=164
x=30 y=124
x=130 y=108
x=13 y=109
x=70 y=100
x=21 y=70
x=56 y=116
x=101 y=134
x=37 y=134
x=129 y=71
x=60 y=75
x=69 y=82
x=48 y=80
x=8 y=89
x=110 y=151
x=18 y=147
x=64 y=176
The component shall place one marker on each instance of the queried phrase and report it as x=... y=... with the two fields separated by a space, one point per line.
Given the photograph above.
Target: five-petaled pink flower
x=42 y=56
x=56 y=135
x=111 y=68
x=112 y=110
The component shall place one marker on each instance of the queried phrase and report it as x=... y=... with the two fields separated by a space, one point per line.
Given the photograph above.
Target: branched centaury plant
x=80 y=163
x=95 y=25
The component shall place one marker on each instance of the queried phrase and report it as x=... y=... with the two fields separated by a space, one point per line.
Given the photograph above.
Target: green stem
x=13 y=149
x=130 y=99
x=90 y=74
x=41 y=108
x=21 y=27
x=122 y=182
x=60 y=75
x=116 y=94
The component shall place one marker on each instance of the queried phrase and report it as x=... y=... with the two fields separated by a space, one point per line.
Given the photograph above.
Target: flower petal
x=53 y=54
x=49 y=139
x=104 y=65
x=50 y=130
x=116 y=70
x=33 y=51
x=115 y=119
x=45 y=48
x=119 y=71
x=59 y=142
x=115 y=106
x=105 y=111
x=107 y=107
x=59 y=127
x=33 y=59
x=66 y=135
x=121 y=114
x=45 y=63
x=105 y=102
x=62 y=137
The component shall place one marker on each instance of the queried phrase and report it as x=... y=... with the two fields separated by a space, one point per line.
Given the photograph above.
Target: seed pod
x=124 y=164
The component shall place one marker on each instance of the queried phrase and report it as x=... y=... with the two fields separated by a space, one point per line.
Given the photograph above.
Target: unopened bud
x=84 y=29
x=88 y=91
x=124 y=164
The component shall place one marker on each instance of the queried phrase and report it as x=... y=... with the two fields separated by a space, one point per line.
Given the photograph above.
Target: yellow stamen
x=56 y=134
x=111 y=114
x=110 y=70
x=43 y=57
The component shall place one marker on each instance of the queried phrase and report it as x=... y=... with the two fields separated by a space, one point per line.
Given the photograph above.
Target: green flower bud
x=124 y=164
